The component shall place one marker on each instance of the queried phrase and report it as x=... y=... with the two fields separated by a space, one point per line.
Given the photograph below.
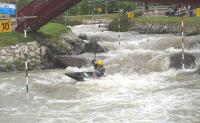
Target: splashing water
x=139 y=87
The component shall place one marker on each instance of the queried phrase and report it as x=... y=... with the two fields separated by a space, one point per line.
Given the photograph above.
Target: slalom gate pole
x=119 y=27
x=182 y=37
x=147 y=24
x=95 y=52
x=26 y=60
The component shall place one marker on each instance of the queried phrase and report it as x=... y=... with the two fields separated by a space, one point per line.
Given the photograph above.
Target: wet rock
x=83 y=36
x=2 y=69
x=32 y=54
x=164 y=29
x=198 y=70
x=78 y=49
x=176 y=61
x=66 y=61
x=48 y=60
x=93 y=46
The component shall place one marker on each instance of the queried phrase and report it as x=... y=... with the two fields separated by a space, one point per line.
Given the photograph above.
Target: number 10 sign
x=5 y=26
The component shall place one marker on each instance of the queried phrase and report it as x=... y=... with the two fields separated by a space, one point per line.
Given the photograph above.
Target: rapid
x=139 y=86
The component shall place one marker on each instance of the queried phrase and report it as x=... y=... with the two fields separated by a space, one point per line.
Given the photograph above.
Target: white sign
x=9 y=9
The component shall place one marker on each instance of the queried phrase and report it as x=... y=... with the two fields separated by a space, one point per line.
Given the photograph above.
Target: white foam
x=75 y=69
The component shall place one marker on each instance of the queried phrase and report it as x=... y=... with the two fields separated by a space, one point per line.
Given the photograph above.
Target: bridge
x=46 y=10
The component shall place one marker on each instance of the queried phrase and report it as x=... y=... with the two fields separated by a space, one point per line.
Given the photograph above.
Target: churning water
x=139 y=86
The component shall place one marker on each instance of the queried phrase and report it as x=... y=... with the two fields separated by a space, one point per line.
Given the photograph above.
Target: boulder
x=66 y=61
x=48 y=59
x=93 y=46
x=78 y=48
x=198 y=70
x=83 y=36
x=2 y=69
x=176 y=61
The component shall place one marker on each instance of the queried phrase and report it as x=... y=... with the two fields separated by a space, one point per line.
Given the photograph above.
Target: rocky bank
x=45 y=53
x=165 y=29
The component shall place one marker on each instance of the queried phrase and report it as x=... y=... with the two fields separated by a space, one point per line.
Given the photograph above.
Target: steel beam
x=45 y=10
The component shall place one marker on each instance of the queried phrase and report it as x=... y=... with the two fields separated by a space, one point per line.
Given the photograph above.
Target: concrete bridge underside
x=45 y=10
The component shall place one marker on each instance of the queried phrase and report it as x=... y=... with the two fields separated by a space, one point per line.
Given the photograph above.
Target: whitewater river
x=139 y=86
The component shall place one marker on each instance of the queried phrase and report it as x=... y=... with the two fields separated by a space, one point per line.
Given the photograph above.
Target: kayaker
x=99 y=68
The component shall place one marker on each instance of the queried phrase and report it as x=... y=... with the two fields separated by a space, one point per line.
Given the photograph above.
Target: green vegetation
x=168 y=20
x=53 y=30
x=125 y=24
x=74 y=20
x=86 y=7
x=12 y=38
x=89 y=17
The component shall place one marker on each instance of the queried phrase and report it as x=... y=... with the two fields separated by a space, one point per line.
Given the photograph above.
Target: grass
x=168 y=20
x=12 y=38
x=142 y=19
x=50 y=30
x=89 y=17
x=54 y=30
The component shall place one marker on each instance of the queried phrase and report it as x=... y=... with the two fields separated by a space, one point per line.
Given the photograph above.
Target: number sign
x=5 y=26
x=198 y=11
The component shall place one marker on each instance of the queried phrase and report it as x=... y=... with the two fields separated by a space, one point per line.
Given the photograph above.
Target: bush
x=138 y=13
x=124 y=22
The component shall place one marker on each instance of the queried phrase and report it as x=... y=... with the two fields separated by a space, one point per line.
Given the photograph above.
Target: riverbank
x=53 y=46
x=12 y=48
x=157 y=24
x=165 y=25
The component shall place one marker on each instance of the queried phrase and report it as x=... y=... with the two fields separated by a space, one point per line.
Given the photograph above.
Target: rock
x=78 y=49
x=66 y=61
x=83 y=36
x=9 y=60
x=31 y=65
x=2 y=58
x=48 y=59
x=2 y=69
x=94 y=47
x=32 y=54
x=38 y=51
x=198 y=70
x=3 y=51
x=176 y=61
x=38 y=61
x=16 y=51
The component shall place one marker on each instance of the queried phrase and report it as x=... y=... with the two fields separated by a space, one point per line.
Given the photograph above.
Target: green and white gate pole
x=182 y=37
x=25 y=18
x=26 y=58
x=119 y=28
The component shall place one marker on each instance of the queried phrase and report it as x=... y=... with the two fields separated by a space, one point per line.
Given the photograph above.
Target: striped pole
x=26 y=59
x=147 y=25
x=26 y=62
x=183 y=52
x=147 y=22
x=119 y=27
